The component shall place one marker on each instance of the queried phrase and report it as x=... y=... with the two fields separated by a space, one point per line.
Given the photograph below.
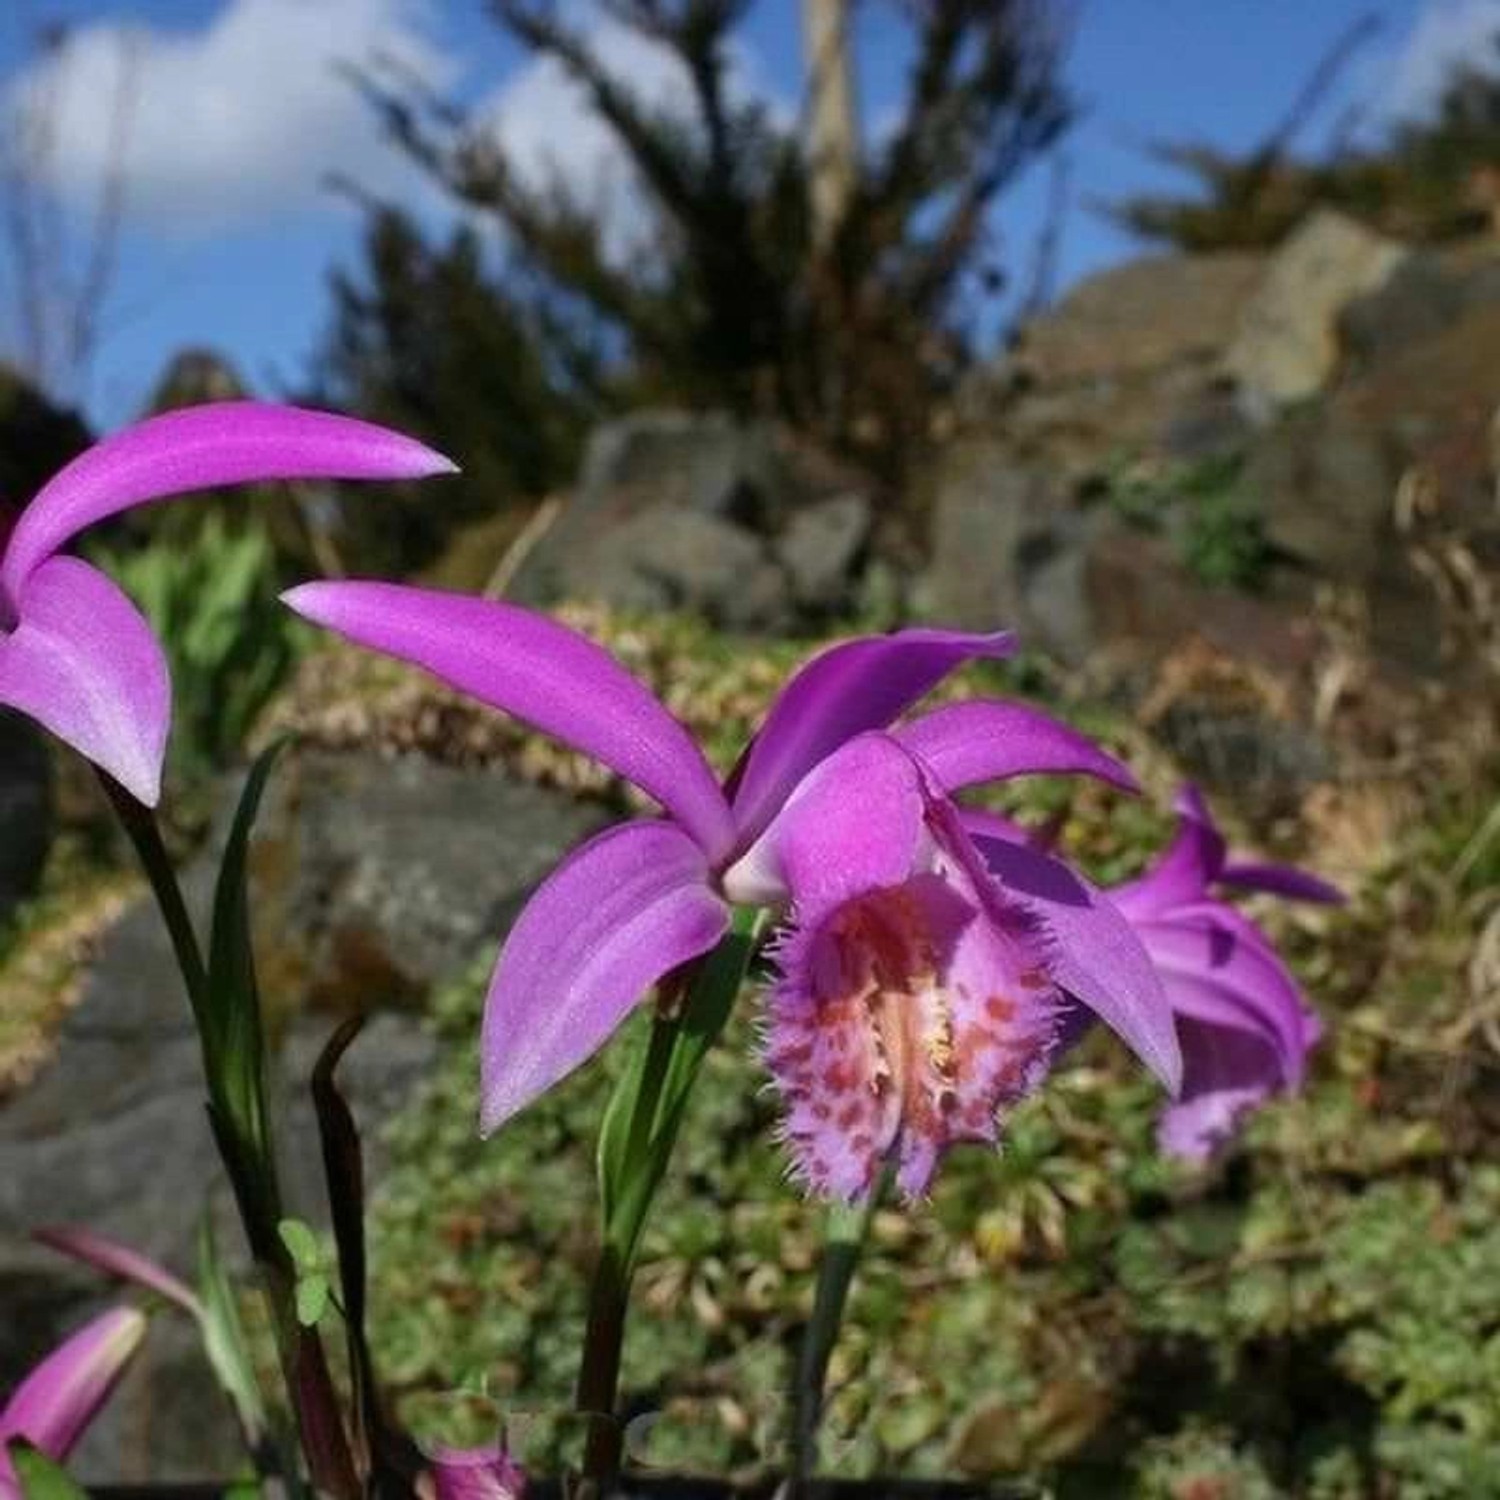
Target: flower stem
x=651 y=1116
x=843 y=1246
x=141 y=828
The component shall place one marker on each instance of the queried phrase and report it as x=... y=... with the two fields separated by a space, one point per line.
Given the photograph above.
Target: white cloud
x=1445 y=34
x=236 y=122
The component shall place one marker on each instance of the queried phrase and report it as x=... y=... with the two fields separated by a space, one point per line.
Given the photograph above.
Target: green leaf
x=40 y=1477
x=224 y=1337
x=302 y=1244
x=234 y=1043
x=614 y=1129
x=312 y=1299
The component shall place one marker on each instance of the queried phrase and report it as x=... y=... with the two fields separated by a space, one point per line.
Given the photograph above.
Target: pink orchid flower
x=644 y=897
x=55 y=1403
x=75 y=653
x=1245 y=1027
x=920 y=991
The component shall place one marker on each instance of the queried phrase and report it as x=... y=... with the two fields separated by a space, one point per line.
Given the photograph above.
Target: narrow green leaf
x=235 y=1046
x=614 y=1129
x=224 y=1338
x=40 y=1477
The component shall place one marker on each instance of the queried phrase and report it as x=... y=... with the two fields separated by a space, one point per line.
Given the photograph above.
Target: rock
x=1422 y=418
x=820 y=549
x=25 y=809
x=1425 y=296
x=378 y=878
x=1287 y=346
x=670 y=558
x=682 y=511
x=1325 y=488
x=985 y=507
x=1161 y=310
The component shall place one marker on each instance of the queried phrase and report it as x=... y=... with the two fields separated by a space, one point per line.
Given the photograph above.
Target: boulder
x=1325 y=485
x=1149 y=313
x=25 y=809
x=379 y=875
x=670 y=558
x=1287 y=346
x=675 y=510
x=1426 y=295
x=986 y=507
x=820 y=551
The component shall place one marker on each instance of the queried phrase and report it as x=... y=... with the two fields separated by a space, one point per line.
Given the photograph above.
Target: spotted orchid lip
x=904 y=1024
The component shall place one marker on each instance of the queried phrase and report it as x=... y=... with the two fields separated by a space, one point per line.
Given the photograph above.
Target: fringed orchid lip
x=903 y=1025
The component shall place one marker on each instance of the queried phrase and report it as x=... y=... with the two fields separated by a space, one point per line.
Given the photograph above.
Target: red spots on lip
x=899 y=1028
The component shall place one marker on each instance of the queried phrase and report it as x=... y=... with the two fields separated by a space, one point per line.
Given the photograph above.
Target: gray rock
x=985 y=508
x=1156 y=311
x=1426 y=295
x=821 y=548
x=1287 y=348
x=682 y=511
x=25 y=809
x=657 y=465
x=378 y=876
x=668 y=557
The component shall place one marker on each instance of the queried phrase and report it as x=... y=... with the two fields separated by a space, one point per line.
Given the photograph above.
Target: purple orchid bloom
x=55 y=1403
x=645 y=897
x=75 y=653
x=1244 y=1025
x=473 y=1474
x=920 y=993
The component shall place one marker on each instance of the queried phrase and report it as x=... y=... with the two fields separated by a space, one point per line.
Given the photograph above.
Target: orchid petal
x=854 y=823
x=84 y=663
x=1097 y=956
x=1218 y=965
x=1192 y=862
x=55 y=1403
x=555 y=679
x=199 y=448
x=620 y=911
x=851 y=688
x=1226 y=1074
x=965 y=744
x=980 y=822
x=114 y=1259
x=1281 y=880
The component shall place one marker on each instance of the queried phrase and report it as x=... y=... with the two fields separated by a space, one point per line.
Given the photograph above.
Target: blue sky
x=234 y=114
